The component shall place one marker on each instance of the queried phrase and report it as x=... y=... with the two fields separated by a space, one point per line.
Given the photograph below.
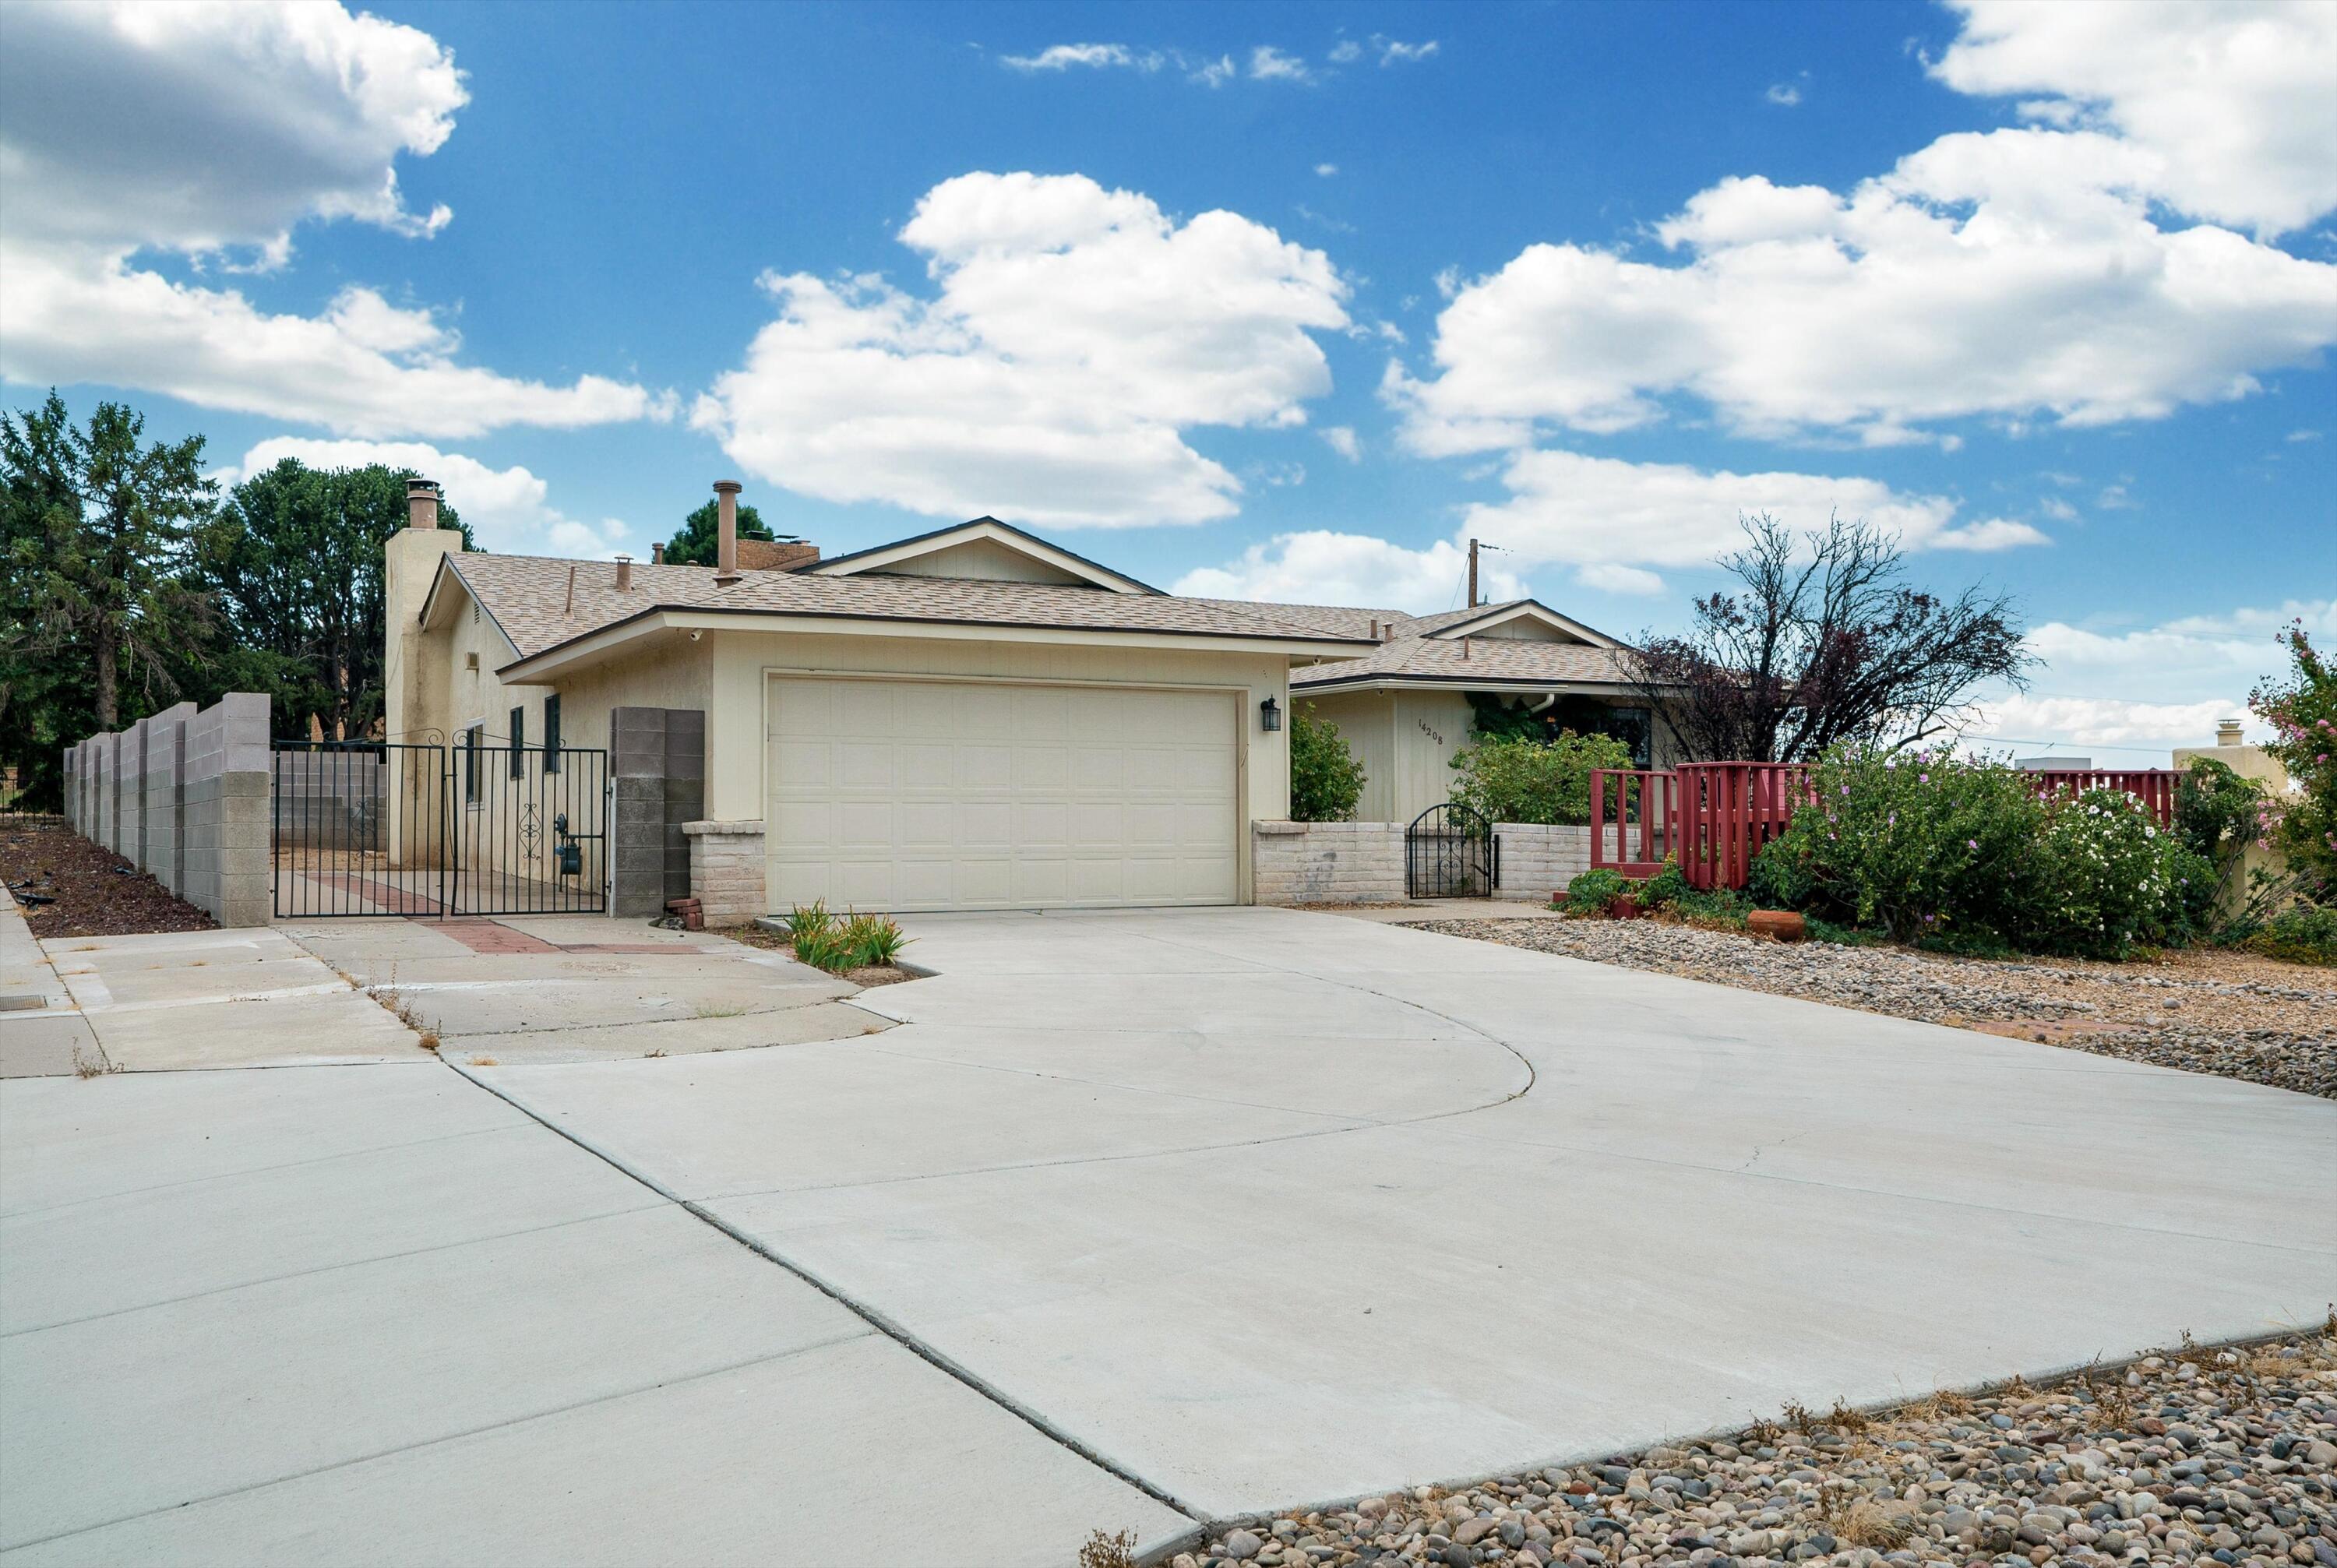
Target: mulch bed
x=90 y=891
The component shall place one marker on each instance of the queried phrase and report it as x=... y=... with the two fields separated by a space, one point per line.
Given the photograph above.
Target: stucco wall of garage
x=741 y=661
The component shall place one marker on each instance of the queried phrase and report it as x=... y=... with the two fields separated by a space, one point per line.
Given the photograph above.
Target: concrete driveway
x=1225 y=1210
x=1269 y=1208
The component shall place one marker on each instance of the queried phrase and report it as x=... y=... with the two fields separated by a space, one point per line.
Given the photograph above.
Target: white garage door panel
x=939 y=795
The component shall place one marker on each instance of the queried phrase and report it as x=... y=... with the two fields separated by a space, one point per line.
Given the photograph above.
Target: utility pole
x=1472 y=573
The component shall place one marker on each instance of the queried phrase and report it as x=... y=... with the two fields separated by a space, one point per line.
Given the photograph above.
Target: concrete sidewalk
x=176 y=1000
x=582 y=987
x=375 y=1315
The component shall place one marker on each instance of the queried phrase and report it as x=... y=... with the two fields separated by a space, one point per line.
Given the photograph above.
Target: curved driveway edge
x=1269 y=1208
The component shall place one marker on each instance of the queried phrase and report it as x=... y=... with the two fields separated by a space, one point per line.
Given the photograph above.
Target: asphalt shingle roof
x=528 y=596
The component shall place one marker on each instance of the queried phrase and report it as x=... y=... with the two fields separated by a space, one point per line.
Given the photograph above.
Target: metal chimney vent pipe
x=422 y=503
x=656 y=555
x=726 y=549
x=624 y=574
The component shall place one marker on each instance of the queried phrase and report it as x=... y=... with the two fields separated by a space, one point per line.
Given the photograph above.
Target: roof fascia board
x=1503 y=613
x=877 y=557
x=447 y=571
x=537 y=666
x=1458 y=682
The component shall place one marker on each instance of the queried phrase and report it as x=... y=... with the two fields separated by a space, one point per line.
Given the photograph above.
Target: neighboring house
x=1405 y=707
x=971 y=719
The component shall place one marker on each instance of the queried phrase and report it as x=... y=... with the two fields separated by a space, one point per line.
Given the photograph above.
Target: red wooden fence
x=1714 y=817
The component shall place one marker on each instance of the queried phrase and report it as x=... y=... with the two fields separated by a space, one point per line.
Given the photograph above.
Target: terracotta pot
x=1782 y=925
x=1624 y=907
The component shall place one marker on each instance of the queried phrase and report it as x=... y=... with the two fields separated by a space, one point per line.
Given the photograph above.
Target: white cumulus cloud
x=1268 y=63
x=507 y=509
x=1063 y=56
x=2134 y=691
x=214 y=131
x=2009 y=274
x=1606 y=521
x=2234 y=103
x=1076 y=333
x=1322 y=567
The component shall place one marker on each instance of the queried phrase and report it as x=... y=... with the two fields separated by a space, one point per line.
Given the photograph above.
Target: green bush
x=2302 y=709
x=2301 y=934
x=1325 y=779
x=1963 y=854
x=1667 y=887
x=1515 y=779
x=1593 y=890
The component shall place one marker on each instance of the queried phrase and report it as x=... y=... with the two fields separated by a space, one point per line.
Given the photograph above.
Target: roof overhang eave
x=1384 y=680
x=591 y=646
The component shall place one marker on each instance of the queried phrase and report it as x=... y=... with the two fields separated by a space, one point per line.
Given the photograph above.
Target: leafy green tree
x=99 y=628
x=2302 y=709
x=1325 y=779
x=696 y=544
x=1523 y=778
x=293 y=560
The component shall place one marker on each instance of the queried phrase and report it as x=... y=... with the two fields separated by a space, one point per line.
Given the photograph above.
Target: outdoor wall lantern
x=1269 y=715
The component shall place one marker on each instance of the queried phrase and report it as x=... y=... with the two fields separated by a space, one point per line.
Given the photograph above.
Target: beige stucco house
x=973 y=718
x=1414 y=699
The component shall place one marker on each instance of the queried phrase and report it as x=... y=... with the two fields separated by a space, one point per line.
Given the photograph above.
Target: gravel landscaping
x=68 y=887
x=2204 y=1011
x=2211 y=1455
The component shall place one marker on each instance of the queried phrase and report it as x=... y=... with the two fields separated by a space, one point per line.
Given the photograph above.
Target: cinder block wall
x=184 y=795
x=1363 y=862
x=1327 y=862
x=658 y=765
x=1538 y=860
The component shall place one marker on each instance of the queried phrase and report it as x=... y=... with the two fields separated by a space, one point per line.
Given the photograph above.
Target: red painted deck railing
x=1714 y=817
x=2154 y=786
x=1637 y=836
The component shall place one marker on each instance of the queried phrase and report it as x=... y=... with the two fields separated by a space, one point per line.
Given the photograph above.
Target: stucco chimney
x=2227 y=732
x=624 y=572
x=421 y=504
x=725 y=548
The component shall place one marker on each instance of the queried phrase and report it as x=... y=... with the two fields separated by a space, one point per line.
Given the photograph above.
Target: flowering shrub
x=2113 y=879
x=1518 y=779
x=2303 y=713
x=1958 y=853
x=1922 y=844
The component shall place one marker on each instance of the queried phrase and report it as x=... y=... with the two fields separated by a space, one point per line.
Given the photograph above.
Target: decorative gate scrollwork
x=1451 y=851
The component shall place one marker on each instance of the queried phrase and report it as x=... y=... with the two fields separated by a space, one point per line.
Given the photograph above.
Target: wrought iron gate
x=1451 y=851
x=369 y=829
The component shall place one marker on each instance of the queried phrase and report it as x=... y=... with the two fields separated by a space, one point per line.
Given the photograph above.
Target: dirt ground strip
x=69 y=887
x=2192 y=1455
x=2201 y=1010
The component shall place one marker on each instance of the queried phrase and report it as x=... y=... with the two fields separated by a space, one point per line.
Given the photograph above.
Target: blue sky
x=1278 y=302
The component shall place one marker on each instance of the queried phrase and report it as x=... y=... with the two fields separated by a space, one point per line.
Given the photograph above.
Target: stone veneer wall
x=183 y=795
x=1363 y=862
x=726 y=870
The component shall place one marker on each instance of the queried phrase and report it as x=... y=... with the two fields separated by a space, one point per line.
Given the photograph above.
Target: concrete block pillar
x=656 y=760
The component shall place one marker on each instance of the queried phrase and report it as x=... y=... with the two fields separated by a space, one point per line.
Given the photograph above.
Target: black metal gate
x=1451 y=851
x=369 y=829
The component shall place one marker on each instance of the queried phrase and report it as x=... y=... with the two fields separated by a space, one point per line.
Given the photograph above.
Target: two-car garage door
x=908 y=795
